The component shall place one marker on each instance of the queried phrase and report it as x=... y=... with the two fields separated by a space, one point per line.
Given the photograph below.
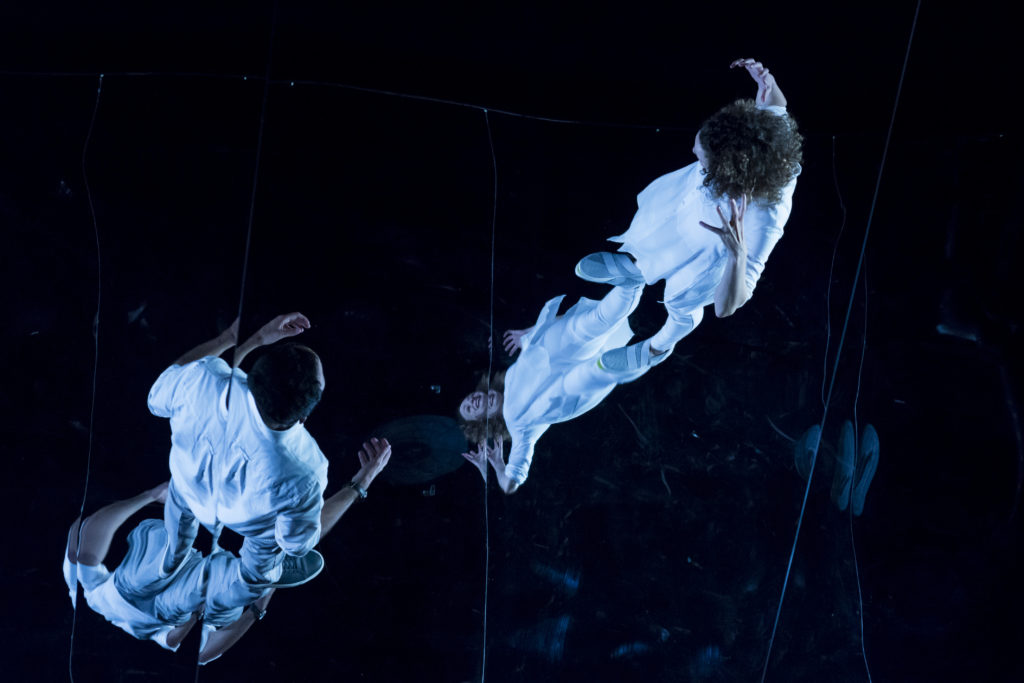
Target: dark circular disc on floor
x=424 y=447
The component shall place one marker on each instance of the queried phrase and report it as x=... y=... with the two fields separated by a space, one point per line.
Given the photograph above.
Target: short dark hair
x=750 y=151
x=285 y=384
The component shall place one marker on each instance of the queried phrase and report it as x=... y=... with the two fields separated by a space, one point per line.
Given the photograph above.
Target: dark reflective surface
x=652 y=538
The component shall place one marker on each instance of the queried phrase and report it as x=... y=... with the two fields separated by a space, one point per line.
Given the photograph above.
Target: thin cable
x=856 y=450
x=490 y=365
x=95 y=365
x=831 y=270
x=255 y=181
x=248 y=233
x=357 y=88
x=842 y=337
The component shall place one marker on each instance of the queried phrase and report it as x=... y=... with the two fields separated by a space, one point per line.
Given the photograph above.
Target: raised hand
x=282 y=327
x=731 y=231
x=373 y=457
x=478 y=458
x=513 y=341
x=766 y=88
x=496 y=454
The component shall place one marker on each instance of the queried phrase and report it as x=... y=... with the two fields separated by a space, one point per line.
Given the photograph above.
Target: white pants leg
x=182 y=528
x=680 y=323
x=616 y=305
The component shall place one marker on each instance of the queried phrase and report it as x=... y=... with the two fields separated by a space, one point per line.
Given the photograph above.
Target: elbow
x=727 y=308
x=510 y=487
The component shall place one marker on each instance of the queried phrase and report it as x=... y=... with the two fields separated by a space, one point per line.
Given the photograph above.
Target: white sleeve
x=173 y=385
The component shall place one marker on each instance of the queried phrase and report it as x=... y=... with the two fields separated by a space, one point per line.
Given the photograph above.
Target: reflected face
x=478 y=405
x=698 y=151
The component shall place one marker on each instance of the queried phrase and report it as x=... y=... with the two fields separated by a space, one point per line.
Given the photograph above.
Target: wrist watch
x=358 y=489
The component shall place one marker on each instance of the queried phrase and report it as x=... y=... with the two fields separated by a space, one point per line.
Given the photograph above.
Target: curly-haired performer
x=748 y=156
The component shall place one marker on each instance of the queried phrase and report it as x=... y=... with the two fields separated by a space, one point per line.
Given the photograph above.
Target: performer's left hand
x=373 y=458
x=759 y=72
x=731 y=231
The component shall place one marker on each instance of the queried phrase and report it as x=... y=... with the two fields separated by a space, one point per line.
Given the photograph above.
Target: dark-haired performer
x=244 y=460
x=748 y=157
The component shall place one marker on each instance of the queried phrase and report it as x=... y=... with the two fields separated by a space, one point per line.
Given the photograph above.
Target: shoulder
x=299 y=465
x=680 y=181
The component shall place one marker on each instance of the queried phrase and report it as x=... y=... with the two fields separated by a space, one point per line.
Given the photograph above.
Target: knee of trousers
x=689 y=318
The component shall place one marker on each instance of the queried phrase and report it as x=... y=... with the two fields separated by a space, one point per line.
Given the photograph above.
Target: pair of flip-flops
x=855 y=463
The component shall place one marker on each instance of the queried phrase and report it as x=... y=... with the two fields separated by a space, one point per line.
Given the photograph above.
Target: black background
x=651 y=541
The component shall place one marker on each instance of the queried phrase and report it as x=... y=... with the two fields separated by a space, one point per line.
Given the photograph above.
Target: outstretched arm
x=220 y=641
x=373 y=458
x=214 y=347
x=281 y=327
x=496 y=456
x=485 y=453
x=768 y=92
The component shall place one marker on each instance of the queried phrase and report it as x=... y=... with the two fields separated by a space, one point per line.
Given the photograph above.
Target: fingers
x=712 y=228
x=373 y=450
x=747 y=63
x=721 y=215
x=294 y=322
x=385 y=453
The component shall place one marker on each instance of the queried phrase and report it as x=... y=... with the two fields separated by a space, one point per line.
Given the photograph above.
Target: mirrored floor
x=656 y=533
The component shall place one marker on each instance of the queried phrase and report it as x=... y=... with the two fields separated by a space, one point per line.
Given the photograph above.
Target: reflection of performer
x=135 y=597
x=138 y=599
x=749 y=153
x=243 y=458
x=555 y=378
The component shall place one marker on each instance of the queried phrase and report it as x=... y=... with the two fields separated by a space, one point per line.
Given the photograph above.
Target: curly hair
x=750 y=151
x=285 y=384
x=477 y=431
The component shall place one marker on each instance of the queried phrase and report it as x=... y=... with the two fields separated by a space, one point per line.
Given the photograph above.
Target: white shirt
x=230 y=467
x=668 y=242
